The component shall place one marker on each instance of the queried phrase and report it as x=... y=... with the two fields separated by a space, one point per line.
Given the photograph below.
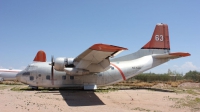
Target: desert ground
x=159 y=98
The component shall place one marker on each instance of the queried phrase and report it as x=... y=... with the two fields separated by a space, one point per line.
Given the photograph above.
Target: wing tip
x=106 y=47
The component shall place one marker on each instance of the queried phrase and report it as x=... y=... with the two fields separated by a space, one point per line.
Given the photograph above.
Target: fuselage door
x=33 y=75
x=39 y=79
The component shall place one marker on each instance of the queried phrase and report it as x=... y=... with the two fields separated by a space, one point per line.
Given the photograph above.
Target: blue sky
x=66 y=28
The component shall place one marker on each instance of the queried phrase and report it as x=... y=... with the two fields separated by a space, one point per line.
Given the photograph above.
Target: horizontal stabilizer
x=180 y=54
x=172 y=55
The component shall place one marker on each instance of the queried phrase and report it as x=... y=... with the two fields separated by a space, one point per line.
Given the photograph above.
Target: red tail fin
x=160 y=38
x=40 y=56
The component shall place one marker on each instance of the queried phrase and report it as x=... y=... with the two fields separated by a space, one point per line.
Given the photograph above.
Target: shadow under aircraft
x=80 y=98
x=73 y=97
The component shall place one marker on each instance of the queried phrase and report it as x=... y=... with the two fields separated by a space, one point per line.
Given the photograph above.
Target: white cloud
x=189 y=65
x=184 y=68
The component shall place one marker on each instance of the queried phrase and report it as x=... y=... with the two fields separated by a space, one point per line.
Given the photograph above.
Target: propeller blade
x=52 y=59
x=52 y=70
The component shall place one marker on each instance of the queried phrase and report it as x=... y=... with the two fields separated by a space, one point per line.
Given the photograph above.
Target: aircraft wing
x=96 y=58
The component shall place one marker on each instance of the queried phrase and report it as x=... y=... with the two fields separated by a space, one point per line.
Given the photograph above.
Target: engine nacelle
x=75 y=71
x=61 y=63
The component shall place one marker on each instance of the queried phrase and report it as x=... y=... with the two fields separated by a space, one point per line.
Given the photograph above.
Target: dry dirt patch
x=22 y=99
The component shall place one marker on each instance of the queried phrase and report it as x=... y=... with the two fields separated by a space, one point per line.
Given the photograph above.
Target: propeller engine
x=60 y=64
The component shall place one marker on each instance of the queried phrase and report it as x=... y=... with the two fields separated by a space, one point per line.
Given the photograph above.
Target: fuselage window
x=64 y=77
x=112 y=68
x=31 y=78
x=100 y=74
x=72 y=77
x=39 y=75
x=26 y=73
x=48 y=77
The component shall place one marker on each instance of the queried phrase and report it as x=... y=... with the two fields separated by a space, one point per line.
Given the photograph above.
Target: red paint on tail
x=40 y=56
x=160 y=38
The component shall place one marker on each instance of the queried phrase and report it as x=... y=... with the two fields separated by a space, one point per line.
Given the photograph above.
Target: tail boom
x=158 y=46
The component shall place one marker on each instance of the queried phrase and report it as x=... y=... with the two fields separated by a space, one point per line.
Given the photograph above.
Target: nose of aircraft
x=18 y=77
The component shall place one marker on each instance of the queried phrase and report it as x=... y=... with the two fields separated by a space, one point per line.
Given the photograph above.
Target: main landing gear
x=33 y=87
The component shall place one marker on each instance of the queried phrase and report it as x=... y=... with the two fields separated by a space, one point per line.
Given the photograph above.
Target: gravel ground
x=24 y=100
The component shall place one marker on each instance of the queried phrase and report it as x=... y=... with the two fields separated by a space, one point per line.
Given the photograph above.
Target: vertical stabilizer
x=159 y=44
x=160 y=38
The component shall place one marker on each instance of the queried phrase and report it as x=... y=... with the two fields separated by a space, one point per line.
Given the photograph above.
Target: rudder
x=160 y=38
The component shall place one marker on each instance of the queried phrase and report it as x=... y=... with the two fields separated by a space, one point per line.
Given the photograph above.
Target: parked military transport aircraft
x=94 y=67
x=8 y=74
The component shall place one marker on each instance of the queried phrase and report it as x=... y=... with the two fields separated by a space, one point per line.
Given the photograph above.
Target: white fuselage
x=8 y=74
x=39 y=73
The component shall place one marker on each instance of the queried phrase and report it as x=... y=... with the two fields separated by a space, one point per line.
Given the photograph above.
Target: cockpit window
x=32 y=67
x=26 y=73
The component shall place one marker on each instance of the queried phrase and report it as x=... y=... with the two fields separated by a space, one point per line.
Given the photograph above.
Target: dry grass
x=11 y=83
x=176 y=83
x=140 y=84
